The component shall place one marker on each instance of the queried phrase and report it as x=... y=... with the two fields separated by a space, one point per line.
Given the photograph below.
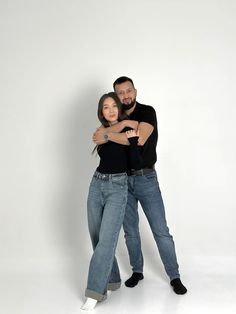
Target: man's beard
x=129 y=106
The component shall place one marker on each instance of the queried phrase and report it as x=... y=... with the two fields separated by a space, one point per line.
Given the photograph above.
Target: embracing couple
x=126 y=144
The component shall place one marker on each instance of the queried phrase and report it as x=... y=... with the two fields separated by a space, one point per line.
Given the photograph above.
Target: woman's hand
x=132 y=133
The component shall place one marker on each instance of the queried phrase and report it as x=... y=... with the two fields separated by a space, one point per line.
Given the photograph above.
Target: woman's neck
x=113 y=123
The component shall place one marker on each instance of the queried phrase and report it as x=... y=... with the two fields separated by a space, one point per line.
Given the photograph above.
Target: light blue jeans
x=145 y=189
x=106 y=204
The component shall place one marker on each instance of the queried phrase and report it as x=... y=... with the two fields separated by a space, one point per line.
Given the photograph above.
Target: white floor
x=211 y=284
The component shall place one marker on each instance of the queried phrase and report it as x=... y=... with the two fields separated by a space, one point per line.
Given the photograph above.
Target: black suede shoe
x=133 y=280
x=178 y=287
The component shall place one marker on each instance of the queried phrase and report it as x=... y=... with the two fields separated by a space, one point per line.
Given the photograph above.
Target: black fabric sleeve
x=135 y=159
x=149 y=116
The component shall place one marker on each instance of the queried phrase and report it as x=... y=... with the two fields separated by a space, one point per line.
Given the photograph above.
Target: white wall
x=57 y=58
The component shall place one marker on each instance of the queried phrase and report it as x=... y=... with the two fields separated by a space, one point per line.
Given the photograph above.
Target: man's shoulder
x=144 y=107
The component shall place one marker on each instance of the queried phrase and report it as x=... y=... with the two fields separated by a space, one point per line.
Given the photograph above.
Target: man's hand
x=98 y=136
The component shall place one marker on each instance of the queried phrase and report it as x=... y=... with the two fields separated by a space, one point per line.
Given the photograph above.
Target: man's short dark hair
x=121 y=80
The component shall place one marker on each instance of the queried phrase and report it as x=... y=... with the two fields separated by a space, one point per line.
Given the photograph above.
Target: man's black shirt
x=144 y=113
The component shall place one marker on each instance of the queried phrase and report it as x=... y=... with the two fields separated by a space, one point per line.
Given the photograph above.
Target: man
x=143 y=186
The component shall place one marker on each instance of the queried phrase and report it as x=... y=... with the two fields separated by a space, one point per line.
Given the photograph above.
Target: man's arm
x=118 y=127
x=145 y=130
x=101 y=136
x=112 y=133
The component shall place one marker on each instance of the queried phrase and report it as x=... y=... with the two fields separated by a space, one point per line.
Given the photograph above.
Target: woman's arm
x=135 y=159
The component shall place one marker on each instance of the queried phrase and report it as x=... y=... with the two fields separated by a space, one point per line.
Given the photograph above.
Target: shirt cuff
x=133 y=141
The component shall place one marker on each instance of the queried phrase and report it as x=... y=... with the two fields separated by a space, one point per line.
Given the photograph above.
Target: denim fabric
x=145 y=189
x=106 y=204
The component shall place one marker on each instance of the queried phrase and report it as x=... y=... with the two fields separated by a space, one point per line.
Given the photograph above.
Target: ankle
x=134 y=279
x=89 y=304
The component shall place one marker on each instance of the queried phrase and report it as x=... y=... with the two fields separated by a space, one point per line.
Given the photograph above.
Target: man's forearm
x=99 y=136
x=117 y=128
x=119 y=138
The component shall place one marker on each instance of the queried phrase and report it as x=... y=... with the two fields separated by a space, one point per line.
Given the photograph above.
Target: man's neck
x=128 y=112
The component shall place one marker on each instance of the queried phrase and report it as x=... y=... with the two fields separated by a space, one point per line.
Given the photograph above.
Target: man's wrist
x=106 y=137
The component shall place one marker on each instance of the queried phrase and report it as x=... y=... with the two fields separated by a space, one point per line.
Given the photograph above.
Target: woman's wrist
x=133 y=140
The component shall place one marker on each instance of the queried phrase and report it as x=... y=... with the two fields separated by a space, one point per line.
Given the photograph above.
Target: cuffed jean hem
x=113 y=286
x=137 y=271
x=95 y=295
x=174 y=277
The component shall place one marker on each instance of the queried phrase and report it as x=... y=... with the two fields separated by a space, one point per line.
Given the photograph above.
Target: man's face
x=126 y=93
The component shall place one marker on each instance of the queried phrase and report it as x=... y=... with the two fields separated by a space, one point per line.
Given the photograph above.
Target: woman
x=106 y=203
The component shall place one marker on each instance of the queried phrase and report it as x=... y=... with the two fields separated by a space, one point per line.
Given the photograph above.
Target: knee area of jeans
x=106 y=246
x=164 y=236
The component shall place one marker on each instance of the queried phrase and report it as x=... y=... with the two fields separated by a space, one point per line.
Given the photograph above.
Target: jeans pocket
x=152 y=176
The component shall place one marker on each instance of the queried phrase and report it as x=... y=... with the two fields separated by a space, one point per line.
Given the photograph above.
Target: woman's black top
x=117 y=158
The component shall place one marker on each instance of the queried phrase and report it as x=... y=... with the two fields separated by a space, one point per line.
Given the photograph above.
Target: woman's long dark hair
x=104 y=122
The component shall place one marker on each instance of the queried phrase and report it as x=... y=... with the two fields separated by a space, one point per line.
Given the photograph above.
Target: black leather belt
x=141 y=172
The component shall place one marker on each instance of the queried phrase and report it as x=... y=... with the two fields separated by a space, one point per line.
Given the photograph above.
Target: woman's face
x=110 y=110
